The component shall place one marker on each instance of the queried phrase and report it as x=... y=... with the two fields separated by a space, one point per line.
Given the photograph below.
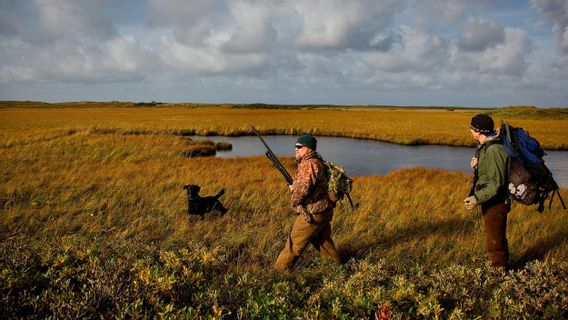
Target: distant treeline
x=505 y=112
x=127 y=104
x=530 y=112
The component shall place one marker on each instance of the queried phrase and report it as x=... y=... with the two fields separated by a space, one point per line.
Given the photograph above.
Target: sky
x=484 y=53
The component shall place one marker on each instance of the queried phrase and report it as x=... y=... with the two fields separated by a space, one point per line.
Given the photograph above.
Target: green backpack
x=338 y=184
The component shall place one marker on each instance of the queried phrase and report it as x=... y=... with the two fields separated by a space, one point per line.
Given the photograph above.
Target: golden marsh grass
x=118 y=173
x=112 y=178
x=397 y=125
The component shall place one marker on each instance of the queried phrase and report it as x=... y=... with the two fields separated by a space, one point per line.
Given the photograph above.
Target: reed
x=131 y=187
x=397 y=125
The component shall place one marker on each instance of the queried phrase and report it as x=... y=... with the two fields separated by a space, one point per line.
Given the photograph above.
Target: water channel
x=368 y=157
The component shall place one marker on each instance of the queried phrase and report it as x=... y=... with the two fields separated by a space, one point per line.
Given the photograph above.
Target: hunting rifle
x=272 y=157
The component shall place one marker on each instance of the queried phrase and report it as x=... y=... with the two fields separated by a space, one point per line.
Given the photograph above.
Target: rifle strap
x=350 y=200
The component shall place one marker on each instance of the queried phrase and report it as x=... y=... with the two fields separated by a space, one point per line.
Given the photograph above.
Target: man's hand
x=470 y=202
x=308 y=217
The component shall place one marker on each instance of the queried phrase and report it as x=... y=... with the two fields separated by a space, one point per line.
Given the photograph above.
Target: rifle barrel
x=261 y=139
x=272 y=157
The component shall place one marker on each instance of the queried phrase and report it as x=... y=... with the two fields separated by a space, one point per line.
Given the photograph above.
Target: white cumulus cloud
x=557 y=12
x=342 y=23
x=291 y=50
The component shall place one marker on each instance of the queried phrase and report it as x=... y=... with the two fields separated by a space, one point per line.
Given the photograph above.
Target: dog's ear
x=186 y=186
x=197 y=188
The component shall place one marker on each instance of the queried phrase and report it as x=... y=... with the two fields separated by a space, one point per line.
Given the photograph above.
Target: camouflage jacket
x=310 y=185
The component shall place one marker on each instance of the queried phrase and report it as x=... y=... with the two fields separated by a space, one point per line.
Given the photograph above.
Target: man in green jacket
x=491 y=188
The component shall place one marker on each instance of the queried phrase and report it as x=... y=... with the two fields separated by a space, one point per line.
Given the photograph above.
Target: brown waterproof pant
x=318 y=233
x=495 y=221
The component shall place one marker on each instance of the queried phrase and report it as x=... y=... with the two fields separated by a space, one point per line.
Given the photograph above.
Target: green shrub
x=85 y=279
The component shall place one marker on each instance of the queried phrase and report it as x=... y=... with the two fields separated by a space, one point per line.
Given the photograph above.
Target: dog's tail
x=222 y=192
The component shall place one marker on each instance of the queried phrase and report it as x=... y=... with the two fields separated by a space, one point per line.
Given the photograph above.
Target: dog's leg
x=222 y=208
x=218 y=206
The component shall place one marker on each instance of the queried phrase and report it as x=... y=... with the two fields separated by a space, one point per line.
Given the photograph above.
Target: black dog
x=200 y=205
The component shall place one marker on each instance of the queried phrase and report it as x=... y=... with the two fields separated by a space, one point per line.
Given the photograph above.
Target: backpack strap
x=540 y=208
x=351 y=201
x=561 y=200
x=555 y=191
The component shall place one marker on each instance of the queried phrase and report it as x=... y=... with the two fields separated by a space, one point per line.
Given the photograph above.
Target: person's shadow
x=539 y=249
x=360 y=249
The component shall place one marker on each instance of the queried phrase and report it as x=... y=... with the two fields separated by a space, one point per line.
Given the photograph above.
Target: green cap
x=308 y=141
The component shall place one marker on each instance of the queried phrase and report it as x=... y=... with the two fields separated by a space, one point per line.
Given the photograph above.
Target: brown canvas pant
x=318 y=233
x=495 y=221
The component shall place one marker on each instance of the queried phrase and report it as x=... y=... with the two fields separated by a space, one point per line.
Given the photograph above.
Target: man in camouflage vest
x=312 y=206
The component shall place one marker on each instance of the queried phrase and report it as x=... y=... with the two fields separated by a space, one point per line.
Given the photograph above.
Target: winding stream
x=368 y=157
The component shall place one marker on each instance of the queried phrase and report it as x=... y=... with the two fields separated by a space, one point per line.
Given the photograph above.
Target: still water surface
x=368 y=157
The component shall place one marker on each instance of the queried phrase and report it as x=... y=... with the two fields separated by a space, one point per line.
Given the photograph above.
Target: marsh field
x=94 y=223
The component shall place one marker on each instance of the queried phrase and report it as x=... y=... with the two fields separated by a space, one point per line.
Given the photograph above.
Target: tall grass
x=93 y=223
x=398 y=125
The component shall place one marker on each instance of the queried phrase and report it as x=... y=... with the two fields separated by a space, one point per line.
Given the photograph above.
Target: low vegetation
x=93 y=223
x=411 y=126
x=86 y=280
x=530 y=112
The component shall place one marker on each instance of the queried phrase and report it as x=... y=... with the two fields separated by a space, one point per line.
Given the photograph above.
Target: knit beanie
x=482 y=123
x=308 y=141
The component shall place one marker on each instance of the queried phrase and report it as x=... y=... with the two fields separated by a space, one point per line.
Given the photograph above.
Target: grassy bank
x=397 y=125
x=93 y=223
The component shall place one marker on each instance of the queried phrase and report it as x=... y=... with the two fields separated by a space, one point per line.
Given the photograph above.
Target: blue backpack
x=530 y=181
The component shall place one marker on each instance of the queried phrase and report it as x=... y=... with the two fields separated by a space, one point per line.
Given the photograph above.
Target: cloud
x=439 y=12
x=288 y=49
x=479 y=34
x=506 y=58
x=340 y=24
x=61 y=18
x=556 y=11
x=416 y=51
x=119 y=59
x=252 y=28
x=185 y=60
x=8 y=24
x=255 y=37
x=192 y=21
x=250 y=25
x=71 y=41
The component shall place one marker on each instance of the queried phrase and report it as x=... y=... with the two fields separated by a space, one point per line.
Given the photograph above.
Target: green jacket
x=492 y=171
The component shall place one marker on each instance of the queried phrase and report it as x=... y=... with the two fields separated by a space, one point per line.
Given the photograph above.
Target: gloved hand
x=308 y=216
x=303 y=211
x=470 y=202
